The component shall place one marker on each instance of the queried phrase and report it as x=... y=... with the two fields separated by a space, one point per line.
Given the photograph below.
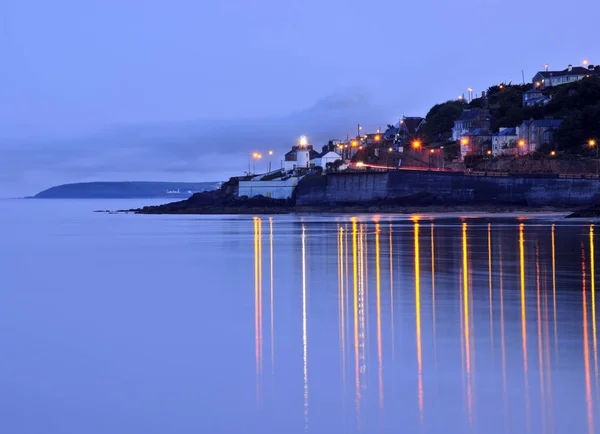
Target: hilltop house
x=471 y=119
x=545 y=79
x=535 y=133
x=504 y=142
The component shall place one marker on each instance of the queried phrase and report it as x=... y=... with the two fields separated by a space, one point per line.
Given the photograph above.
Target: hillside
x=125 y=190
x=577 y=104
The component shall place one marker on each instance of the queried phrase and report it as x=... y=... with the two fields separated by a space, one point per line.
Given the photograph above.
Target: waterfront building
x=535 y=133
x=504 y=142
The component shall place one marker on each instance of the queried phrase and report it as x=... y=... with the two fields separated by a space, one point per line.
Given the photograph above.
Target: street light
x=553 y=153
x=255 y=156
x=270 y=154
x=592 y=143
x=521 y=144
x=416 y=144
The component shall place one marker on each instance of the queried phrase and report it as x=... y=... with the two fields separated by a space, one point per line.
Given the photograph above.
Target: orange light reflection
x=418 y=320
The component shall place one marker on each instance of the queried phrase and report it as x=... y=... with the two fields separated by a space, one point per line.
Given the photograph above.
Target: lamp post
x=270 y=155
x=255 y=156
x=592 y=143
x=521 y=144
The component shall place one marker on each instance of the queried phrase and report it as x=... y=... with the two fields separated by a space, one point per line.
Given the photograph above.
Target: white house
x=545 y=79
x=328 y=157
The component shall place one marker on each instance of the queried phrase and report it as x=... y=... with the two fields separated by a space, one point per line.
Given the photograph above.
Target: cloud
x=193 y=150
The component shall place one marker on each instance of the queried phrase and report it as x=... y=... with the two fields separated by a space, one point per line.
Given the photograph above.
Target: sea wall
x=275 y=189
x=449 y=188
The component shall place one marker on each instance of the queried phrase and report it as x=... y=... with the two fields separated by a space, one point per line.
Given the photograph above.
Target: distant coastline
x=126 y=190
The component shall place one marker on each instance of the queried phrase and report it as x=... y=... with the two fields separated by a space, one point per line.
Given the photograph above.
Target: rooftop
x=576 y=70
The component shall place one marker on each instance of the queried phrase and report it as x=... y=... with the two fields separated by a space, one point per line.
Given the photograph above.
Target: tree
x=440 y=120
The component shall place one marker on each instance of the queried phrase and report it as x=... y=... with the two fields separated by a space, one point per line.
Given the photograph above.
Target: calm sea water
x=241 y=324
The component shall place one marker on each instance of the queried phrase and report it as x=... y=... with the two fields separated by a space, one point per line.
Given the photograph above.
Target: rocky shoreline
x=226 y=201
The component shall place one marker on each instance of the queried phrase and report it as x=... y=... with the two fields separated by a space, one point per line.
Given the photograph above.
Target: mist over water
x=319 y=324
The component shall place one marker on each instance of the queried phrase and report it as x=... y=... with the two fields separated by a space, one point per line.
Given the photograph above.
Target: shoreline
x=355 y=209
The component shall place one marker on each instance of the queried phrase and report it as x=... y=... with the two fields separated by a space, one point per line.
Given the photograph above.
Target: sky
x=185 y=90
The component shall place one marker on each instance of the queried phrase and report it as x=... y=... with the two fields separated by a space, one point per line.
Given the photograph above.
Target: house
x=374 y=139
x=534 y=133
x=545 y=79
x=476 y=142
x=327 y=156
x=503 y=141
x=410 y=126
x=534 y=97
x=471 y=119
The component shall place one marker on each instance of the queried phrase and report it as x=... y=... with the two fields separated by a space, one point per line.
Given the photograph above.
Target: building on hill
x=535 y=133
x=399 y=135
x=504 y=141
x=534 y=97
x=476 y=142
x=469 y=120
x=545 y=79
x=410 y=125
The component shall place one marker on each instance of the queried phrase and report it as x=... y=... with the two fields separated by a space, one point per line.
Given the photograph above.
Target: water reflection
x=506 y=275
x=524 y=321
x=258 y=305
x=304 y=333
x=418 y=320
x=466 y=324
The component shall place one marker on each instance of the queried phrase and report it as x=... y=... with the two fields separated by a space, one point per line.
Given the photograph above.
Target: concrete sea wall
x=449 y=188
x=275 y=189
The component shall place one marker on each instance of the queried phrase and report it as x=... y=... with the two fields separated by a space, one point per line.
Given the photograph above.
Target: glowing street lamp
x=553 y=153
x=255 y=156
x=390 y=149
x=585 y=62
x=377 y=138
x=592 y=143
x=354 y=143
x=416 y=144
x=489 y=152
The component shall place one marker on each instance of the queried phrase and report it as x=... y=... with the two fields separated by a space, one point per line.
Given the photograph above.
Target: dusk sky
x=185 y=89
